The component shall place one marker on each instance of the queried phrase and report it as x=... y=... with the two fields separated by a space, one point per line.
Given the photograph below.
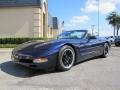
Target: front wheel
x=66 y=58
x=105 y=50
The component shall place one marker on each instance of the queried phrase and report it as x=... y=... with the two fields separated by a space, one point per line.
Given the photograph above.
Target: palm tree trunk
x=117 y=30
x=114 y=31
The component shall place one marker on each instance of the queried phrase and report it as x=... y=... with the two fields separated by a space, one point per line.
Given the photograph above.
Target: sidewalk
x=5 y=49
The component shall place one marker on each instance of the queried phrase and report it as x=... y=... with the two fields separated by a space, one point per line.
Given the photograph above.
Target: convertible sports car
x=62 y=53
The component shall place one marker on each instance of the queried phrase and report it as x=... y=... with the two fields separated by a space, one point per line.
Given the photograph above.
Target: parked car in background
x=117 y=41
x=62 y=53
x=111 y=39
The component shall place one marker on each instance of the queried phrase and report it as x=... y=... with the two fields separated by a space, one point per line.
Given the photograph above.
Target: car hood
x=41 y=48
x=28 y=45
x=33 y=46
x=118 y=39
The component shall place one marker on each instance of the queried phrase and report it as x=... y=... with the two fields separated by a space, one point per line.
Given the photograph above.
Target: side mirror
x=91 y=37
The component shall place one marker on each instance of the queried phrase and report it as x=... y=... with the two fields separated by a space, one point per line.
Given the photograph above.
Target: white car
x=111 y=39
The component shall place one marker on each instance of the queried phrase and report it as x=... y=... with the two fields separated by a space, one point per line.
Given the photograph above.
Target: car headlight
x=40 y=60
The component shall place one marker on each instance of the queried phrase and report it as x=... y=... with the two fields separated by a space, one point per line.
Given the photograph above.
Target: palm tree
x=118 y=24
x=112 y=20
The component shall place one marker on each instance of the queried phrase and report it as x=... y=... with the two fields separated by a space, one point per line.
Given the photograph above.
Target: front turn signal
x=40 y=60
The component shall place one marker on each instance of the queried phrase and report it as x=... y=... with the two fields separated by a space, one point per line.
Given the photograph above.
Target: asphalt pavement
x=94 y=74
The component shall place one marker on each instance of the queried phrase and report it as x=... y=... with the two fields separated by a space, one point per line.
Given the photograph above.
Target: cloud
x=76 y=21
x=105 y=6
x=90 y=6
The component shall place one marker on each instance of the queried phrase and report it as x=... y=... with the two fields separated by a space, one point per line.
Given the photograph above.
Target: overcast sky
x=82 y=14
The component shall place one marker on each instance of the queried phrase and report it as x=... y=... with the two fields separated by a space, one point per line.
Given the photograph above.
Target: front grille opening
x=33 y=66
x=26 y=61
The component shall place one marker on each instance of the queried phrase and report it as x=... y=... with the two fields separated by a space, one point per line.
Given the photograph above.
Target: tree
x=118 y=24
x=111 y=18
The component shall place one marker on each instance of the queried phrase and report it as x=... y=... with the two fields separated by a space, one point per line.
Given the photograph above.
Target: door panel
x=90 y=48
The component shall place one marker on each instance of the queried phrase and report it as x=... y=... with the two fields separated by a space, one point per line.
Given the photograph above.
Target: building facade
x=55 y=26
x=24 y=18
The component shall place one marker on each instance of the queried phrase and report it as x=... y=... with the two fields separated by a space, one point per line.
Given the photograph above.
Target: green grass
x=8 y=45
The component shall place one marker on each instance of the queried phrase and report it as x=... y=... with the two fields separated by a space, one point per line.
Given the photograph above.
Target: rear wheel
x=106 y=50
x=116 y=44
x=66 y=58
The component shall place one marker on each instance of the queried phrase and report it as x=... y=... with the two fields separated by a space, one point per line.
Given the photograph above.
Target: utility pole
x=62 y=26
x=93 y=28
x=98 y=17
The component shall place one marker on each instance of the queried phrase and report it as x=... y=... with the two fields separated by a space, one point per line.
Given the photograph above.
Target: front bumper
x=52 y=60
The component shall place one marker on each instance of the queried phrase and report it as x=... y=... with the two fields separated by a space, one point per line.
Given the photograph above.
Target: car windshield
x=72 y=35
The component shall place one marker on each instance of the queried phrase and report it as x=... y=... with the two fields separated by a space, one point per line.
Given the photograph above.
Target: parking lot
x=94 y=74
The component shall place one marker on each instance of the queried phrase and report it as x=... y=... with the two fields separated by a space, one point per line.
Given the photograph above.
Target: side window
x=77 y=35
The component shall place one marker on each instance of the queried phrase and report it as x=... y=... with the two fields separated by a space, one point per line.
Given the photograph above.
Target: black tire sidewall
x=104 y=54
x=59 y=65
x=117 y=45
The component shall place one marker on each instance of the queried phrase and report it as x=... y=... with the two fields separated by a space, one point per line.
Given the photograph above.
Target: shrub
x=18 y=40
x=8 y=45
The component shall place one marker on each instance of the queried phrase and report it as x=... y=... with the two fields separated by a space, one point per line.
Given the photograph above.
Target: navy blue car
x=62 y=53
x=117 y=41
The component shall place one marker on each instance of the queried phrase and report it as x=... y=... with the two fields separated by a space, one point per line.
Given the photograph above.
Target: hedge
x=8 y=45
x=18 y=40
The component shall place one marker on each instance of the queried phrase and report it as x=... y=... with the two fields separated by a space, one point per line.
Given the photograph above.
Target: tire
x=117 y=45
x=66 y=58
x=105 y=50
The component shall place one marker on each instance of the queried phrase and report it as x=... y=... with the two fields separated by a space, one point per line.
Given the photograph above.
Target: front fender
x=54 y=49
